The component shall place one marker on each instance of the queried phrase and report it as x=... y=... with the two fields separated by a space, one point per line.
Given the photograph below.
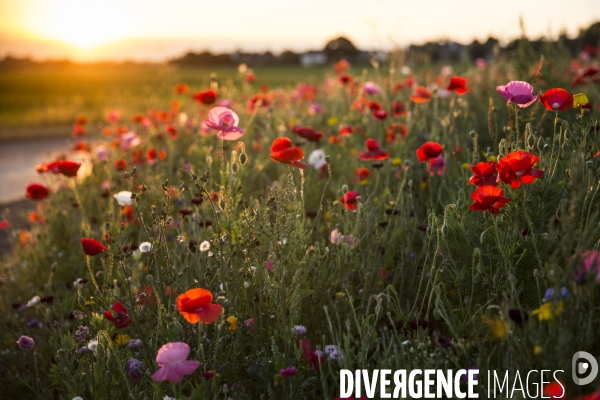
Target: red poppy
x=556 y=390
x=395 y=131
x=346 y=130
x=361 y=174
x=81 y=120
x=457 y=84
x=119 y=317
x=195 y=306
x=350 y=200
x=4 y=224
x=207 y=98
x=484 y=174
x=172 y=131
x=345 y=79
x=258 y=100
x=516 y=168
x=308 y=133
x=181 y=88
x=80 y=146
x=121 y=165
x=421 y=95
x=250 y=77
x=284 y=152
x=578 y=81
x=380 y=114
x=406 y=84
x=78 y=131
x=557 y=99
x=37 y=191
x=590 y=71
x=341 y=66
x=398 y=109
x=374 y=152
x=309 y=355
x=151 y=154
x=488 y=198
x=429 y=150
x=68 y=168
x=92 y=247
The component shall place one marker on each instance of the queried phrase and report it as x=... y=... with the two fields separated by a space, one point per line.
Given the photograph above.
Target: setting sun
x=82 y=24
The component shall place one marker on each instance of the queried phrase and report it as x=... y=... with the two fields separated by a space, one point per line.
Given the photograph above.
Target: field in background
x=44 y=100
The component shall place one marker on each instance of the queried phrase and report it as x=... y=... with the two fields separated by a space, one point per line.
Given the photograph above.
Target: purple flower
x=549 y=293
x=82 y=350
x=371 y=88
x=34 y=323
x=334 y=352
x=25 y=342
x=134 y=368
x=564 y=292
x=133 y=343
x=518 y=92
x=466 y=376
x=299 y=330
x=314 y=108
x=288 y=372
x=81 y=333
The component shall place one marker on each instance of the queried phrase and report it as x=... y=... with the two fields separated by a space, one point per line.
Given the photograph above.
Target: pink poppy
x=371 y=88
x=129 y=140
x=172 y=358
x=518 y=92
x=226 y=122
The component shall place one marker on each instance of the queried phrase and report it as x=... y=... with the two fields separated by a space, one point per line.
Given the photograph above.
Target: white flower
x=34 y=300
x=204 y=246
x=317 y=159
x=405 y=70
x=246 y=285
x=145 y=247
x=77 y=398
x=79 y=283
x=123 y=198
x=92 y=344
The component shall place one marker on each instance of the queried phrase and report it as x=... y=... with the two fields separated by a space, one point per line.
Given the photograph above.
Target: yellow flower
x=492 y=158
x=537 y=350
x=498 y=327
x=232 y=323
x=332 y=121
x=122 y=339
x=364 y=182
x=547 y=311
x=423 y=186
x=396 y=161
x=466 y=166
x=340 y=294
x=375 y=200
x=294 y=121
x=580 y=100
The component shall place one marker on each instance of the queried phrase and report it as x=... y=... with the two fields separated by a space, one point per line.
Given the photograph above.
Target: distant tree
x=289 y=58
x=339 y=48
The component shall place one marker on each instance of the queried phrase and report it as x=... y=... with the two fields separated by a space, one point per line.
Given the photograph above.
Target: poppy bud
x=531 y=141
x=480 y=268
x=117 y=292
x=81 y=301
x=477 y=279
x=536 y=273
x=589 y=164
x=328 y=159
x=222 y=300
x=483 y=236
x=473 y=134
x=243 y=158
x=344 y=189
x=134 y=170
x=445 y=230
x=407 y=163
x=99 y=350
x=149 y=279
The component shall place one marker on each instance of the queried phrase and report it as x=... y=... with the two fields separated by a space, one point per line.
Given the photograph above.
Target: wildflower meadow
x=250 y=242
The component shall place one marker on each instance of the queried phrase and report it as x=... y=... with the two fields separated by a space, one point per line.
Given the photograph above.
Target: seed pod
x=480 y=268
x=149 y=279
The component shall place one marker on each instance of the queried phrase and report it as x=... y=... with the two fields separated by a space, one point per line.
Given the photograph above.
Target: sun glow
x=82 y=24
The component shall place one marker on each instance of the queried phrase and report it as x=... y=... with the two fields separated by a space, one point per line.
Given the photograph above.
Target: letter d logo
x=582 y=367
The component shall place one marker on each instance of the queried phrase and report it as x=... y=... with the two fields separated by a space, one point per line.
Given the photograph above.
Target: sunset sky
x=155 y=30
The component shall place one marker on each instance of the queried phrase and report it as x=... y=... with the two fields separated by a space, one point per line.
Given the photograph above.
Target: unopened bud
x=149 y=279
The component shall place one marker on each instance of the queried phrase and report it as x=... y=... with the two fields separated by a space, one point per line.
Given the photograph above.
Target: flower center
x=555 y=106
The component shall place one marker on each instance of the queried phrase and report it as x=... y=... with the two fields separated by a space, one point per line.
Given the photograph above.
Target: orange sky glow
x=154 y=30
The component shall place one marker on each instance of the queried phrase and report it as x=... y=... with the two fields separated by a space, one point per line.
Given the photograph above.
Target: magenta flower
x=226 y=122
x=172 y=358
x=436 y=166
x=589 y=263
x=25 y=342
x=518 y=92
x=371 y=88
x=288 y=372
